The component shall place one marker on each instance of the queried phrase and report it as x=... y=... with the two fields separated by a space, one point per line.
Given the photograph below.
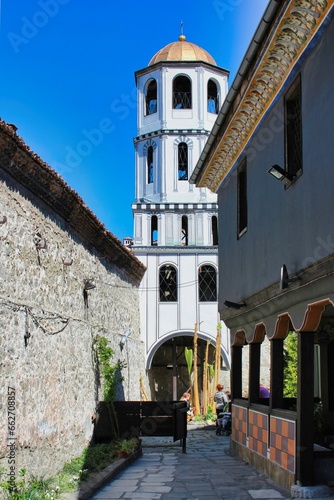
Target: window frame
x=182 y=96
x=150 y=164
x=150 y=96
x=212 y=96
x=170 y=286
x=293 y=129
x=182 y=149
x=205 y=282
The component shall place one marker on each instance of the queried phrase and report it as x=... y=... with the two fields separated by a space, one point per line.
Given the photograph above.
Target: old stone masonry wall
x=49 y=380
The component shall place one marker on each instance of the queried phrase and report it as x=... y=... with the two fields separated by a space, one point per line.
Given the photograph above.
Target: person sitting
x=263 y=392
x=224 y=420
x=190 y=412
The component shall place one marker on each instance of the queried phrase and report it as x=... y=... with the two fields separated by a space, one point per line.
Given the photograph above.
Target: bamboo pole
x=195 y=399
x=206 y=379
x=144 y=395
x=217 y=358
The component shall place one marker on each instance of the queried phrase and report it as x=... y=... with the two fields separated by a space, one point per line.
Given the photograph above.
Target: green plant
x=111 y=373
x=24 y=488
x=126 y=445
x=290 y=365
x=198 y=417
x=210 y=415
x=93 y=459
x=189 y=354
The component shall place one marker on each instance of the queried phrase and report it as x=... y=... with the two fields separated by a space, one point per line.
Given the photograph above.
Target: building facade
x=175 y=223
x=276 y=265
x=64 y=280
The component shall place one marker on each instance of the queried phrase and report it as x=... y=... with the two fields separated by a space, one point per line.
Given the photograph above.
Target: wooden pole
x=217 y=358
x=206 y=379
x=195 y=398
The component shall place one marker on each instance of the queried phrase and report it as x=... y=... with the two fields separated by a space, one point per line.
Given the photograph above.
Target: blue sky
x=67 y=81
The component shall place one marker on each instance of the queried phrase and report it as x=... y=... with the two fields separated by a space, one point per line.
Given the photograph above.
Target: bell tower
x=179 y=94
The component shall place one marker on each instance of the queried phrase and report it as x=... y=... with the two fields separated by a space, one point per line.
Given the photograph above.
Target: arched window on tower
x=182 y=92
x=182 y=162
x=150 y=165
x=207 y=284
x=151 y=97
x=213 y=100
x=154 y=230
x=168 y=283
x=214 y=229
x=184 y=231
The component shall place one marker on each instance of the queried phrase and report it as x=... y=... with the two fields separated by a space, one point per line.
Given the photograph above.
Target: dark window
x=182 y=93
x=213 y=102
x=154 y=230
x=242 y=198
x=214 y=227
x=183 y=161
x=168 y=283
x=150 y=165
x=151 y=98
x=207 y=284
x=293 y=129
x=184 y=231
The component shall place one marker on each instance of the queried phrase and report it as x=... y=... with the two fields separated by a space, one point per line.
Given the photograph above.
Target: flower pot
x=122 y=454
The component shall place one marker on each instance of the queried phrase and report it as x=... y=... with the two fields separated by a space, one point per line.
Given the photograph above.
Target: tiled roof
x=25 y=166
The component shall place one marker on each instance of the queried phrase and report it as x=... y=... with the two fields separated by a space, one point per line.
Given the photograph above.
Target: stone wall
x=48 y=324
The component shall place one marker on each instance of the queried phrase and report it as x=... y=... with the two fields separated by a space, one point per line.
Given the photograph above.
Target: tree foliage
x=290 y=365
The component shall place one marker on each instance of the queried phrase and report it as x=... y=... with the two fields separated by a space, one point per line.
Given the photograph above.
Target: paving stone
x=206 y=472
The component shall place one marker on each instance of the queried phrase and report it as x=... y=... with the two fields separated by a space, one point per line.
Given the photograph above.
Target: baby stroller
x=224 y=422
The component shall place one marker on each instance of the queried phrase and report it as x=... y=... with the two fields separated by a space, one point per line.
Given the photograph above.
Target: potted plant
x=126 y=446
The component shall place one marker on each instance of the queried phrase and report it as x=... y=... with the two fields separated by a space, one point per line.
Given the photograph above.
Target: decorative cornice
x=173 y=132
x=174 y=250
x=298 y=24
x=168 y=206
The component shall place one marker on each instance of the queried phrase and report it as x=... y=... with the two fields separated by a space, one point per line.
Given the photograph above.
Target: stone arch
x=182 y=333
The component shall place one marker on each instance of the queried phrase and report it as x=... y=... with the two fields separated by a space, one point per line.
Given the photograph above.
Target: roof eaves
x=248 y=60
x=21 y=163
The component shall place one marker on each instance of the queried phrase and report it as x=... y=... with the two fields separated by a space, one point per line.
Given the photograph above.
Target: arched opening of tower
x=154 y=230
x=182 y=93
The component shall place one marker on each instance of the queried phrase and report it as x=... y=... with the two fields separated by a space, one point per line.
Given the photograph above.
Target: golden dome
x=182 y=51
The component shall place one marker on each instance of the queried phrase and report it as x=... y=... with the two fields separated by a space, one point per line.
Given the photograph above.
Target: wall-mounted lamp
x=280 y=174
x=284 y=279
x=234 y=305
x=3 y=219
x=89 y=285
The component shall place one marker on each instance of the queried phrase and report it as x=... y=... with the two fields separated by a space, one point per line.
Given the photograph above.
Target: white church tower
x=179 y=94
